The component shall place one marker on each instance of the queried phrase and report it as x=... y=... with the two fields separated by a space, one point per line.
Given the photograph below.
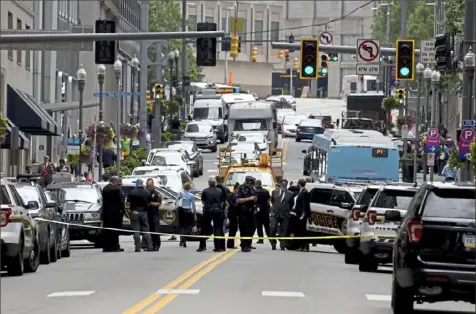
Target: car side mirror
x=296 y=124
x=50 y=204
x=393 y=215
x=33 y=205
x=304 y=151
x=345 y=205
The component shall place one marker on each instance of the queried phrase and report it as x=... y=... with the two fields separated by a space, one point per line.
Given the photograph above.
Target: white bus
x=351 y=84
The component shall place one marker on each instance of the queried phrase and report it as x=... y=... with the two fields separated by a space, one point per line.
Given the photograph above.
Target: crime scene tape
x=218 y=237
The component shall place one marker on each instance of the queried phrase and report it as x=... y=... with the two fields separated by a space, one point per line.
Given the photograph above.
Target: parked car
x=20 y=245
x=195 y=154
x=35 y=201
x=64 y=238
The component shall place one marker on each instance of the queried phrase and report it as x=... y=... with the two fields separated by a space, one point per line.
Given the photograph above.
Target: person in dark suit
x=112 y=212
x=282 y=201
x=233 y=216
x=262 y=211
x=302 y=211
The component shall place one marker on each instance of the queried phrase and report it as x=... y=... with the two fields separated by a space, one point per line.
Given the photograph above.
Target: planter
x=103 y=131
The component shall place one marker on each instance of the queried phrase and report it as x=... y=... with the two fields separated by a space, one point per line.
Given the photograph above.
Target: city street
x=179 y=280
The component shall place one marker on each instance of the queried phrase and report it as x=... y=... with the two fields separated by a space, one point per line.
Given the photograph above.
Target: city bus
x=355 y=158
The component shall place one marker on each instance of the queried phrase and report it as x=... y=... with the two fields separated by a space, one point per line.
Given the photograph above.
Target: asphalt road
x=177 y=280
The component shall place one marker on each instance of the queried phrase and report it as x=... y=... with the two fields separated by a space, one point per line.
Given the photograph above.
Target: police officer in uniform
x=153 y=215
x=262 y=210
x=140 y=200
x=247 y=198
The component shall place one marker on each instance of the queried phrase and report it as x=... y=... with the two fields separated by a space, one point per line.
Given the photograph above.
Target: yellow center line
x=153 y=297
x=169 y=298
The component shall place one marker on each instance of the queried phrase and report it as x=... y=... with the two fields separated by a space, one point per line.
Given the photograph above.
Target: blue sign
x=469 y=123
x=74 y=142
x=113 y=94
x=432 y=141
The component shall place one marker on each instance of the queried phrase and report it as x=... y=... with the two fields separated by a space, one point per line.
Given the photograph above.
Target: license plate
x=469 y=241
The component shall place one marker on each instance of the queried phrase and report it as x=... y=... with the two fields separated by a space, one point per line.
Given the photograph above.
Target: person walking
x=153 y=214
x=139 y=202
x=187 y=212
x=112 y=211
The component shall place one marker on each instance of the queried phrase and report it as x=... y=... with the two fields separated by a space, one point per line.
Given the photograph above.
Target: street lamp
x=426 y=108
x=420 y=68
x=118 y=72
x=135 y=68
x=81 y=75
x=171 y=57
x=469 y=65
x=101 y=75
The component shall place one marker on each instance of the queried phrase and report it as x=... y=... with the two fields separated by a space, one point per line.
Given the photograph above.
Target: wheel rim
x=34 y=253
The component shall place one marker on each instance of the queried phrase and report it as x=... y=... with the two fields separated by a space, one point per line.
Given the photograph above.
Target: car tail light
x=5 y=216
x=300 y=128
x=372 y=214
x=415 y=231
x=356 y=214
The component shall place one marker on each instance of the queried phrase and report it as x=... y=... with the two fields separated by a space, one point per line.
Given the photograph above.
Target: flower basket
x=3 y=127
x=141 y=133
x=104 y=133
x=86 y=154
x=72 y=159
x=390 y=103
x=129 y=131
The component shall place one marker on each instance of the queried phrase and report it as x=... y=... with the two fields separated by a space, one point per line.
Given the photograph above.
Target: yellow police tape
x=221 y=237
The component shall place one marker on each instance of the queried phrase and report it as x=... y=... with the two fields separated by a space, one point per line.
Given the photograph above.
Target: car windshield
x=177 y=145
x=366 y=196
x=250 y=125
x=266 y=178
x=76 y=194
x=171 y=180
x=198 y=128
x=450 y=203
x=255 y=138
x=209 y=113
x=28 y=193
x=166 y=159
x=395 y=199
x=5 y=198
x=359 y=124
x=141 y=172
x=293 y=120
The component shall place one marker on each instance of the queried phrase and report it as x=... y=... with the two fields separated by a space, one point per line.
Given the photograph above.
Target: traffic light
x=400 y=94
x=405 y=60
x=159 y=91
x=324 y=63
x=295 y=63
x=333 y=57
x=239 y=44
x=206 y=49
x=309 y=52
x=280 y=54
x=147 y=97
x=254 y=53
x=443 y=51
x=234 y=46
x=286 y=55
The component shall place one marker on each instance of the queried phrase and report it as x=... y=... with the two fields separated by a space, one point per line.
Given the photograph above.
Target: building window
x=258 y=33
x=19 y=52
x=10 y=26
x=209 y=19
x=223 y=24
x=192 y=21
x=274 y=31
x=27 y=53
x=243 y=32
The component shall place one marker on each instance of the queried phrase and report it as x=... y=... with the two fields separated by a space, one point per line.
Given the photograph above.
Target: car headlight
x=211 y=136
x=92 y=217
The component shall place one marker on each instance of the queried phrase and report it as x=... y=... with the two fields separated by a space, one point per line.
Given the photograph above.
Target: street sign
x=465 y=139
x=470 y=123
x=325 y=38
x=430 y=159
x=368 y=50
x=113 y=94
x=427 y=51
x=432 y=141
x=73 y=146
x=404 y=131
x=367 y=69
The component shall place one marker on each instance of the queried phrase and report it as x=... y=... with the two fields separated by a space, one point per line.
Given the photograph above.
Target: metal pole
x=144 y=58
x=427 y=104
x=184 y=50
x=417 y=128
x=118 y=122
x=81 y=84
x=171 y=65
x=403 y=18
x=101 y=109
x=387 y=36
x=291 y=78
x=157 y=131
x=227 y=32
x=434 y=86
x=133 y=113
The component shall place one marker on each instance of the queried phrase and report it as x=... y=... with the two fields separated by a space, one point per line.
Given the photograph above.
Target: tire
x=67 y=252
x=15 y=264
x=352 y=256
x=196 y=173
x=33 y=260
x=45 y=257
x=305 y=173
x=214 y=149
x=201 y=170
x=402 y=299
x=340 y=247
x=54 y=251
x=368 y=264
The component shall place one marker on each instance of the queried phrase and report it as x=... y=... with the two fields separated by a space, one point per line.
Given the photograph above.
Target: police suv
x=381 y=223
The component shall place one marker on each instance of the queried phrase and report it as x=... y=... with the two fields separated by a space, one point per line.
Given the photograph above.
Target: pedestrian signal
x=400 y=96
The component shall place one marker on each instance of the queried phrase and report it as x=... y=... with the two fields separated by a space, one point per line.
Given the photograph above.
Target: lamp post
x=118 y=72
x=135 y=67
x=176 y=59
x=426 y=110
x=469 y=65
x=171 y=57
x=435 y=80
x=419 y=72
x=101 y=75
x=81 y=75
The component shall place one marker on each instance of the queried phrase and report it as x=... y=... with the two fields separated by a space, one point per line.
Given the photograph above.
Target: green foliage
x=453 y=159
x=454 y=10
x=472 y=149
x=72 y=159
x=3 y=126
x=140 y=153
x=390 y=103
x=166 y=16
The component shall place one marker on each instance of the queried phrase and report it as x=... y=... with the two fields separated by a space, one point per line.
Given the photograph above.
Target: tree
x=165 y=16
x=454 y=10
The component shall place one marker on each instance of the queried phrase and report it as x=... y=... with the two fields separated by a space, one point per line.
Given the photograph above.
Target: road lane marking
x=169 y=298
x=284 y=147
x=70 y=294
x=378 y=297
x=178 y=291
x=212 y=170
x=153 y=297
x=284 y=294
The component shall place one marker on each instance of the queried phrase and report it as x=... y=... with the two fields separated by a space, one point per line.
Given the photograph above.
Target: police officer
x=213 y=211
x=246 y=198
x=153 y=215
x=262 y=210
x=139 y=202
x=233 y=216
x=112 y=212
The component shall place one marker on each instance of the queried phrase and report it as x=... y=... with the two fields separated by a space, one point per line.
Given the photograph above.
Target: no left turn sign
x=325 y=38
x=368 y=50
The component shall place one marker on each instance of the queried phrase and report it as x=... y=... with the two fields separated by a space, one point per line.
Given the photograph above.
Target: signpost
x=465 y=139
x=113 y=94
x=427 y=52
x=325 y=38
x=368 y=57
x=432 y=141
x=73 y=146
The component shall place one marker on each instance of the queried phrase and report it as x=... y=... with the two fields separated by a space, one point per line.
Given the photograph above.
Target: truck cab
x=209 y=107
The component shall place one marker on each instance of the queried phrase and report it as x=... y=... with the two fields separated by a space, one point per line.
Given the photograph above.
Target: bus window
x=353 y=87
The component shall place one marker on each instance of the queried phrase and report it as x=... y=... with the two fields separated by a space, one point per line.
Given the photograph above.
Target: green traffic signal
x=400 y=101
x=309 y=70
x=324 y=71
x=404 y=71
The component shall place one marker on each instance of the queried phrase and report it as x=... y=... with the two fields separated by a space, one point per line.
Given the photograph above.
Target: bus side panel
x=357 y=164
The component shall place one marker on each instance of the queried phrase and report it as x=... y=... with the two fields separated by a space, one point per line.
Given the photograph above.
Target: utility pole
x=227 y=33
x=184 y=57
x=156 y=132
x=144 y=59
x=403 y=34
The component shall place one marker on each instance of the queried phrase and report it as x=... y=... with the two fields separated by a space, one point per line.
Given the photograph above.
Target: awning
x=6 y=144
x=27 y=114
